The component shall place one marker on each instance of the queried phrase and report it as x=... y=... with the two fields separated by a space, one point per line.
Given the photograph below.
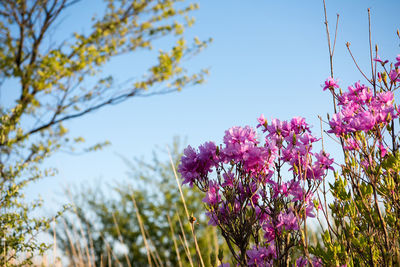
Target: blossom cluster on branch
x=249 y=193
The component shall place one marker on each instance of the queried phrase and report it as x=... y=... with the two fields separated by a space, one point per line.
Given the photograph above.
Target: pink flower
x=255 y=159
x=310 y=209
x=283 y=190
x=288 y=220
x=269 y=231
x=239 y=141
x=385 y=98
x=195 y=165
x=262 y=122
x=394 y=75
x=398 y=61
x=323 y=160
x=301 y=262
x=330 y=84
x=362 y=111
x=337 y=125
x=240 y=135
x=229 y=179
x=261 y=256
x=298 y=124
x=382 y=149
x=307 y=139
x=213 y=218
x=278 y=128
x=212 y=197
x=296 y=191
x=317 y=262
x=351 y=144
x=377 y=59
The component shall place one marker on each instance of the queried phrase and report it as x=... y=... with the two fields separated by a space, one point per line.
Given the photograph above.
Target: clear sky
x=267 y=57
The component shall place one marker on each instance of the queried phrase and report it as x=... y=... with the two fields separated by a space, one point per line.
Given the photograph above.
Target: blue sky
x=267 y=57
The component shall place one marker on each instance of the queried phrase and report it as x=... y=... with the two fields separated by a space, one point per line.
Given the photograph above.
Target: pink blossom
x=195 y=165
x=269 y=231
x=398 y=61
x=361 y=111
x=382 y=149
x=351 y=144
x=298 y=124
x=394 y=75
x=307 y=139
x=317 y=262
x=310 y=209
x=245 y=181
x=189 y=166
x=301 y=262
x=238 y=141
x=288 y=220
x=283 y=189
x=296 y=191
x=331 y=84
x=262 y=122
x=213 y=219
x=260 y=256
x=377 y=59
x=240 y=135
x=229 y=179
x=212 y=197
x=385 y=98
x=337 y=125
x=255 y=158
x=278 y=128
x=323 y=160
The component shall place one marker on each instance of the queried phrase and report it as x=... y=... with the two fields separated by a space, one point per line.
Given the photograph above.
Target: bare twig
x=370 y=51
x=178 y=256
x=187 y=213
x=355 y=62
x=142 y=229
x=185 y=244
x=331 y=50
x=121 y=239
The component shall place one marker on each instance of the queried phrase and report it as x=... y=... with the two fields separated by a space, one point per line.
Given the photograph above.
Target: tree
x=52 y=87
x=104 y=221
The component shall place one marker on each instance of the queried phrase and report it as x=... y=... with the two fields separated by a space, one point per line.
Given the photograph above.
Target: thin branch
x=370 y=51
x=141 y=229
x=355 y=62
x=329 y=47
x=336 y=30
x=187 y=213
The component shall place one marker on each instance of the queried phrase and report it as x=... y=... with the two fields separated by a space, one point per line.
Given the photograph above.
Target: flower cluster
x=196 y=166
x=362 y=110
x=369 y=136
x=246 y=190
x=259 y=189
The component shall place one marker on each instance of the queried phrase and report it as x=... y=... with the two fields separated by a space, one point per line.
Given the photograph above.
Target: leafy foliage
x=51 y=83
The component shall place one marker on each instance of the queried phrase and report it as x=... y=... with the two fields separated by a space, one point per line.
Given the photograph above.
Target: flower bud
x=388 y=117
